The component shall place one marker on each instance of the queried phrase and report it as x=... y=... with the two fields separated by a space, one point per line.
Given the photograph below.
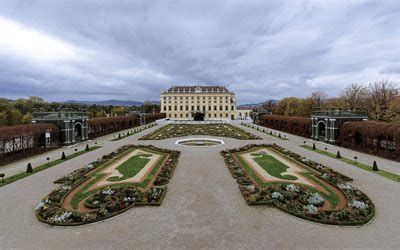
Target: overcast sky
x=132 y=50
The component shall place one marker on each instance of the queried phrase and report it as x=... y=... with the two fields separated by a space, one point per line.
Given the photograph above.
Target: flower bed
x=179 y=130
x=108 y=201
x=298 y=200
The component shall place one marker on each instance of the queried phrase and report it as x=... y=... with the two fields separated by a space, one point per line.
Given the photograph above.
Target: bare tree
x=318 y=97
x=381 y=97
x=355 y=96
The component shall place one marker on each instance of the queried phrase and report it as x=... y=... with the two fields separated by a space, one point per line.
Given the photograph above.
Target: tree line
x=380 y=100
x=17 y=112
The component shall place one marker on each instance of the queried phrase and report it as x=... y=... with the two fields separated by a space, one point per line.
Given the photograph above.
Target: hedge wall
x=149 y=118
x=295 y=125
x=106 y=125
x=380 y=138
x=21 y=141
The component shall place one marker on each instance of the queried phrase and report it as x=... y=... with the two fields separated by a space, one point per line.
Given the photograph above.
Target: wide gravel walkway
x=203 y=208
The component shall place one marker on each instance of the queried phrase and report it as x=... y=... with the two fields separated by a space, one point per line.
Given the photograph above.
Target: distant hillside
x=251 y=105
x=110 y=102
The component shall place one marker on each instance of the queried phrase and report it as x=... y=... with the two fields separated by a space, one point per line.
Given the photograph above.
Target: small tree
x=355 y=158
x=279 y=135
x=87 y=147
x=119 y=136
x=2 y=176
x=338 y=155
x=375 y=166
x=63 y=157
x=270 y=132
x=313 y=146
x=29 y=168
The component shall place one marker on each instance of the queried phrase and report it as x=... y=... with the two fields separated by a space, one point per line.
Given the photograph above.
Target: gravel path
x=203 y=208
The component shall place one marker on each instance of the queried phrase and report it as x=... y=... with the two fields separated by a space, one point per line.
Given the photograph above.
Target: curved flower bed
x=298 y=200
x=107 y=201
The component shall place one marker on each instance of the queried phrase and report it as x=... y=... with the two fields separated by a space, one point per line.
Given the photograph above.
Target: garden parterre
x=180 y=130
x=327 y=197
x=108 y=187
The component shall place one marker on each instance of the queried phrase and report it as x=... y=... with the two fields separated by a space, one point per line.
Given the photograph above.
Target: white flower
x=358 y=204
x=345 y=186
x=250 y=188
x=293 y=188
x=107 y=191
x=316 y=199
x=311 y=209
x=40 y=205
x=276 y=195
x=63 y=217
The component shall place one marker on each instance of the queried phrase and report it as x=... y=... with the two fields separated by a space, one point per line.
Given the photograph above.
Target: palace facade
x=188 y=102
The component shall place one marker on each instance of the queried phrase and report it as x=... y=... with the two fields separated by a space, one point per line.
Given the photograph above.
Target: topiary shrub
x=279 y=135
x=2 y=176
x=119 y=136
x=313 y=146
x=63 y=157
x=375 y=166
x=29 y=168
x=87 y=147
x=338 y=155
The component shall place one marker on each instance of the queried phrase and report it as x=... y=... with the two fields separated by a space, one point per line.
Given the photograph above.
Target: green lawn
x=273 y=166
x=380 y=172
x=42 y=167
x=131 y=167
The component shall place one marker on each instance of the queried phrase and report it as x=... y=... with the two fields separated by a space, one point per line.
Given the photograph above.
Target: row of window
x=193 y=108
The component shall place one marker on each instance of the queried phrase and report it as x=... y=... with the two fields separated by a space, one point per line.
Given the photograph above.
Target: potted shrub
x=87 y=147
x=338 y=155
x=29 y=168
x=313 y=146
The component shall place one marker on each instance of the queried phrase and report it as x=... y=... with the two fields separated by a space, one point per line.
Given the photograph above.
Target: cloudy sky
x=131 y=50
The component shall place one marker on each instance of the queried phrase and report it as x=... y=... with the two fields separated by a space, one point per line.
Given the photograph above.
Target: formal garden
x=270 y=175
x=128 y=177
x=180 y=130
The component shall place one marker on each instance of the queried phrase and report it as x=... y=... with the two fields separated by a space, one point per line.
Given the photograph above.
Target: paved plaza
x=203 y=207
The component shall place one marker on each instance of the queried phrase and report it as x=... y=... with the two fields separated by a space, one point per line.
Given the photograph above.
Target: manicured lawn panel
x=42 y=167
x=131 y=167
x=273 y=166
x=380 y=172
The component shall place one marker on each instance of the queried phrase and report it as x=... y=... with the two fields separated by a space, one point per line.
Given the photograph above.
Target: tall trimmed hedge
x=295 y=125
x=17 y=142
x=106 y=125
x=379 y=138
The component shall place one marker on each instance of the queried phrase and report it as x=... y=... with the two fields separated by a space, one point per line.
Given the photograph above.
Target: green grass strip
x=42 y=167
x=267 y=133
x=386 y=174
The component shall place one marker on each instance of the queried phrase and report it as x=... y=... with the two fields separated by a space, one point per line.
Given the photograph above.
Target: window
x=176 y=115
x=169 y=108
x=187 y=108
x=176 y=108
x=233 y=107
x=226 y=115
x=221 y=108
x=220 y=115
x=204 y=108
x=181 y=108
x=209 y=108
x=226 y=107
x=192 y=108
x=181 y=115
x=215 y=115
x=165 y=108
x=215 y=108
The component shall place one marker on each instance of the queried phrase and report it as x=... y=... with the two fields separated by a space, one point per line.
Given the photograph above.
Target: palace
x=198 y=102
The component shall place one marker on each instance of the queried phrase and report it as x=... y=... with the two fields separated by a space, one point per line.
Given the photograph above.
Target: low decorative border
x=51 y=211
x=254 y=195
